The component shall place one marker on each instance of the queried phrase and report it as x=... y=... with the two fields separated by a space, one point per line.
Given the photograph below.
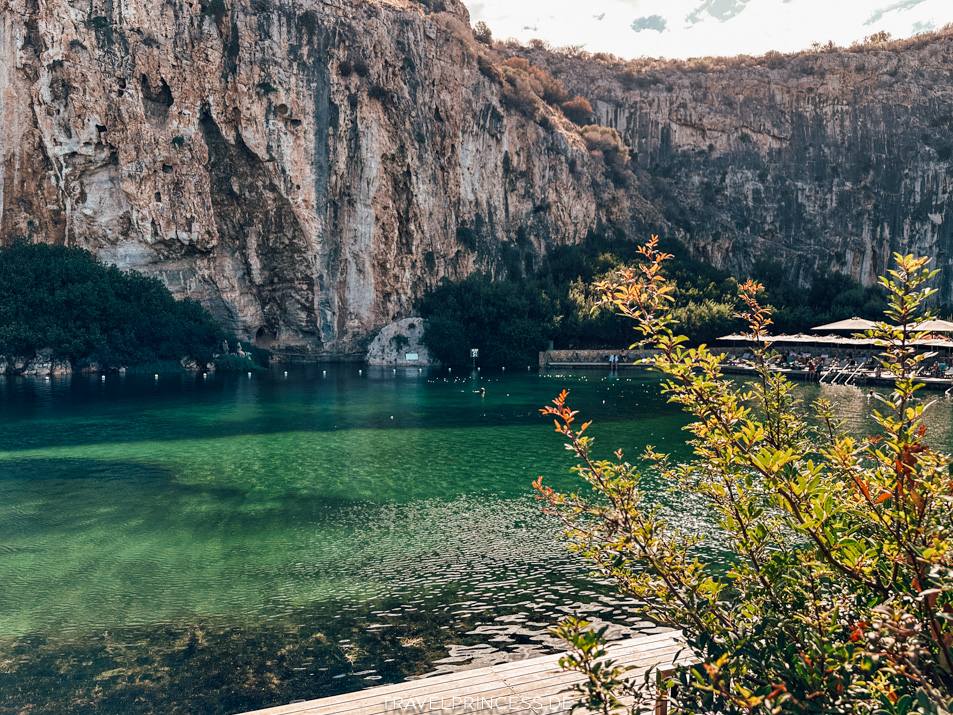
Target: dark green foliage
x=509 y=323
x=567 y=310
x=64 y=299
x=98 y=22
x=267 y=88
x=467 y=236
x=308 y=21
x=216 y=9
x=178 y=141
x=832 y=296
x=379 y=93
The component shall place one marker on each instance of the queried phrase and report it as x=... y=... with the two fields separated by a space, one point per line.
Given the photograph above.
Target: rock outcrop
x=305 y=169
x=308 y=169
x=400 y=344
x=826 y=160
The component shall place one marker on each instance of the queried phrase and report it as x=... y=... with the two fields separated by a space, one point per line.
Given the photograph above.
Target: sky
x=697 y=28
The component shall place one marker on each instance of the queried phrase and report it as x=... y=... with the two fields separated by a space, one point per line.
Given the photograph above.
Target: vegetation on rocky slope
x=510 y=321
x=64 y=300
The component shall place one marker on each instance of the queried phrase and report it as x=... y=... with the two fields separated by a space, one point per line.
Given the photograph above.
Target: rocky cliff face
x=827 y=160
x=306 y=169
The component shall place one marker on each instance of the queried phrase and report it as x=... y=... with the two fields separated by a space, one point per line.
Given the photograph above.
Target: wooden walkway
x=536 y=686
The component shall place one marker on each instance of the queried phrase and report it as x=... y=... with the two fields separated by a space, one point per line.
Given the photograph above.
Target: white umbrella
x=735 y=336
x=849 y=324
x=935 y=326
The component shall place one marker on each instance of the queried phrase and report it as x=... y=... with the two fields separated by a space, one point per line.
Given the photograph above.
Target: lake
x=213 y=545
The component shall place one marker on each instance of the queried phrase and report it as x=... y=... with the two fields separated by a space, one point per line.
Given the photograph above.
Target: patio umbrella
x=935 y=326
x=849 y=324
x=735 y=336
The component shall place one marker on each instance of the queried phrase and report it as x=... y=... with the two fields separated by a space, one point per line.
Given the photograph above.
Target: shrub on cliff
x=608 y=142
x=483 y=34
x=64 y=299
x=834 y=591
x=577 y=110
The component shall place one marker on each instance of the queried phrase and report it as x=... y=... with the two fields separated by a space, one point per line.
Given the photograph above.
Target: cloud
x=926 y=26
x=652 y=22
x=718 y=9
x=724 y=27
x=902 y=5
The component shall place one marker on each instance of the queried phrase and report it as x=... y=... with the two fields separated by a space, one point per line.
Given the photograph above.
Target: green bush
x=572 y=316
x=64 y=299
x=834 y=590
x=509 y=322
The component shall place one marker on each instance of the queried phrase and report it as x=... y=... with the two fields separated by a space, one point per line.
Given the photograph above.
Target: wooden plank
x=475 y=678
x=531 y=678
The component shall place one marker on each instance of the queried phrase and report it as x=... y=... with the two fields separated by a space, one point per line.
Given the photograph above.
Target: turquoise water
x=216 y=545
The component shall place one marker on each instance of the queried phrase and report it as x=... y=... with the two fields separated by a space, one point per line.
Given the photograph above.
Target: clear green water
x=212 y=546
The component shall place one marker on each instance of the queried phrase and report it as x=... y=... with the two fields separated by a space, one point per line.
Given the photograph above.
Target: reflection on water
x=216 y=545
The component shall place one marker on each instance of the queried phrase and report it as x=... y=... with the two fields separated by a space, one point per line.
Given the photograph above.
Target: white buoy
x=324 y=373
x=286 y=373
x=204 y=375
x=157 y=376
x=104 y=378
x=504 y=369
x=249 y=374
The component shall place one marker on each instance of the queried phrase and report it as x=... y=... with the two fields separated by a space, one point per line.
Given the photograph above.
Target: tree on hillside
x=63 y=299
x=839 y=594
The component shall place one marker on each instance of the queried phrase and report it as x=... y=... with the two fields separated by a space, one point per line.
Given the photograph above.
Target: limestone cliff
x=306 y=169
x=833 y=159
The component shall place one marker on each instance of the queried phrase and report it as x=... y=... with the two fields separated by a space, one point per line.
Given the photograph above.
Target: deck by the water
x=536 y=686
